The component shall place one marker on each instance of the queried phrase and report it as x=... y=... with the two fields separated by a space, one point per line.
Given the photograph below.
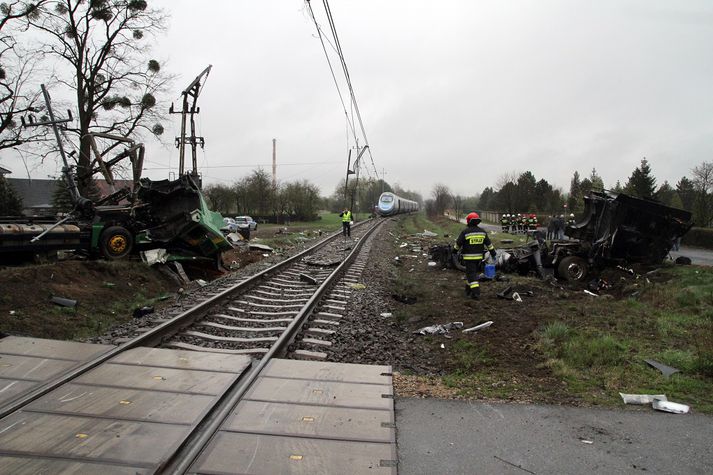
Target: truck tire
x=115 y=242
x=573 y=269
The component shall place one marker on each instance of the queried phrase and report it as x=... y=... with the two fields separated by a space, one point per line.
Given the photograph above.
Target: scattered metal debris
x=63 y=302
x=641 y=398
x=143 y=311
x=590 y=293
x=405 y=299
x=308 y=278
x=386 y=315
x=516 y=297
x=181 y=273
x=505 y=293
x=154 y=256
x=478 y=327
x=260 y=247
x=201 y=282
x=439 y=329
x=428 y=234
x=665 y=369
x=585 y=441
x=668 y=406
x=234 y=238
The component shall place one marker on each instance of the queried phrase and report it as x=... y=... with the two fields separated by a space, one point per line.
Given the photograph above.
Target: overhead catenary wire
x=331 y=69
x=355 y=104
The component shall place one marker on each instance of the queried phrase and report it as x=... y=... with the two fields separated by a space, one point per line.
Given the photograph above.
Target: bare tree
x=441 y=198
x=458 y=201
x=105 y=45
x=18 y=64
x=703 y=183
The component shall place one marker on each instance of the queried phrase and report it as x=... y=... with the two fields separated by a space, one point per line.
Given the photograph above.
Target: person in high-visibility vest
x=505 y=222
x=346 y=222
x=472 y=242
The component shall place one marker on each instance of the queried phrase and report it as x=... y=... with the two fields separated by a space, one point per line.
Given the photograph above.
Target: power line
x=250 y=165
x=337 y=43
x=329 y=63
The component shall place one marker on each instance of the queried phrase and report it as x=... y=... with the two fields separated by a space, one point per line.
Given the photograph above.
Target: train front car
x=388 y=204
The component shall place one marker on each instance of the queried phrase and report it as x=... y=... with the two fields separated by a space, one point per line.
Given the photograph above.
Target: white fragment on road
x=668 y=406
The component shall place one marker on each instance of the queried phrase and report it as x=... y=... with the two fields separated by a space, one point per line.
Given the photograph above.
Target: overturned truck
x=616 y=229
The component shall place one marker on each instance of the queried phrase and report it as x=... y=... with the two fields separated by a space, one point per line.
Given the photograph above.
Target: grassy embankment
x=326 y=222
x=594 y=347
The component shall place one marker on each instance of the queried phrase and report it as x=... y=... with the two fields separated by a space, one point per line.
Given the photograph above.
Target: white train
x=390 y=204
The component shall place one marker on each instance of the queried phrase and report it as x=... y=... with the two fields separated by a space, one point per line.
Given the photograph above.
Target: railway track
x=289 y=310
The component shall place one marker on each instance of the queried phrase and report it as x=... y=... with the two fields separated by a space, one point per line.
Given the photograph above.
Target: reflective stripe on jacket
x=473 y=241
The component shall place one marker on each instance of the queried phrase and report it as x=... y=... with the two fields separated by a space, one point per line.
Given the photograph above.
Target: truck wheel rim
x=117 y=244
x=575 y=270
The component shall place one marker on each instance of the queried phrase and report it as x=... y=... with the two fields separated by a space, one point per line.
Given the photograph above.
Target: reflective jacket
x=473 y=241
x=346 y=217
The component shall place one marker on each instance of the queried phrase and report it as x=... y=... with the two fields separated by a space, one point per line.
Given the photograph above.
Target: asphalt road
x=437 y=436
x=702 y=257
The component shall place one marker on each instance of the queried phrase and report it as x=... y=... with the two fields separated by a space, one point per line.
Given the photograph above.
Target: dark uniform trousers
x=473 y=242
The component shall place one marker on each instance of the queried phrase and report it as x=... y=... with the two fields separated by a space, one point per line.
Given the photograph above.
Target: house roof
x=4 y=171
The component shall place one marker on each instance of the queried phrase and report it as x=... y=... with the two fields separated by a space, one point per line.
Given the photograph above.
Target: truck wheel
x=115 y=242
x=573 y=269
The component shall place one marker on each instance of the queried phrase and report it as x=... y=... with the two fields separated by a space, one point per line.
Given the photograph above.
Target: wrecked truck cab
x=618 y=229
x=174 y=214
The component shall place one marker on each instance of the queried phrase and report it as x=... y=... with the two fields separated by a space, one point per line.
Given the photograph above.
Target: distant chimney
x=274 y=163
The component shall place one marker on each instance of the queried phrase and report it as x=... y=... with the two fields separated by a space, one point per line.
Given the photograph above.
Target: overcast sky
x=457 y=92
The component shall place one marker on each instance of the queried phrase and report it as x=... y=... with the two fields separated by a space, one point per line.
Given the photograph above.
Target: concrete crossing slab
x=126 y=415
x=309 y=417
x=26 y=363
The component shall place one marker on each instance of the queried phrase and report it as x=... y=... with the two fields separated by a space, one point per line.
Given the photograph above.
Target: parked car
x=246 y=221
x=229 y=226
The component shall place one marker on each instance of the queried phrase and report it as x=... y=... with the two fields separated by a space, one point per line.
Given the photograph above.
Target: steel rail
x=162 y=331
x=194 y=444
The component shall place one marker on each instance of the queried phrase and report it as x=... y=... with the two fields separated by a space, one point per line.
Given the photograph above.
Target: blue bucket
x=490 y=271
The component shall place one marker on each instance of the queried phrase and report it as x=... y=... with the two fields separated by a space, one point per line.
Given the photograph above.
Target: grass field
x=565 y=346
x=298 y=230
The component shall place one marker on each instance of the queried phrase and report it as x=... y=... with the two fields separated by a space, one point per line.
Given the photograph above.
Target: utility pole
x=193 y=90
x=383 y=179
x=274 y=163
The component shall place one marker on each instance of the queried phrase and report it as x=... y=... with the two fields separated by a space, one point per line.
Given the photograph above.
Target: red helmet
x=472 y=216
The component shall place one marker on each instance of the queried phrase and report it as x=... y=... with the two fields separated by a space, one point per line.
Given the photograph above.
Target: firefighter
x=571 y=221
x=523 y=223
x=472 y=242
x=532 y=222
x=346 y=222
x=505 y=222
